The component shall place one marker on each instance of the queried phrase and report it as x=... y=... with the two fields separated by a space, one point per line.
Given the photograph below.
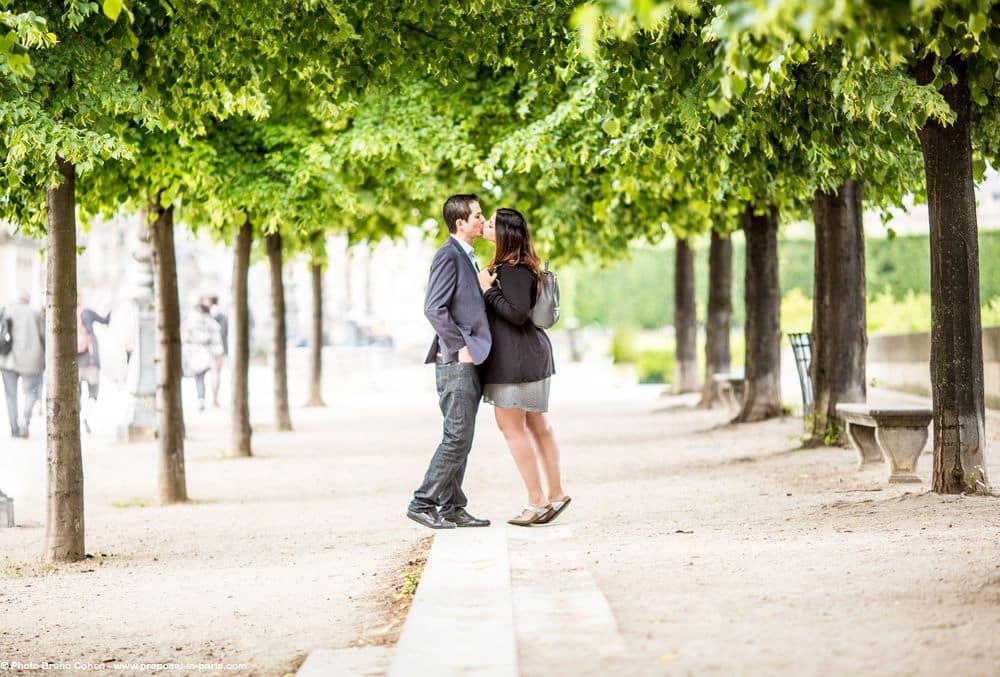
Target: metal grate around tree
x=802 y=349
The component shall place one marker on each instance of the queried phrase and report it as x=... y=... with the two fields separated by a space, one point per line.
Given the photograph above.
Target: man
x=455 y=308
x=25 y=362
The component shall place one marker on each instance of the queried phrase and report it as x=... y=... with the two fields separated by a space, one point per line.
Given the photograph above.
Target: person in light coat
x=201 y=344
x=24 y=363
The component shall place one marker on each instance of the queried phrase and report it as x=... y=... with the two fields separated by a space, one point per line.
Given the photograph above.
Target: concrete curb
x=560 y=611
x=462 y=619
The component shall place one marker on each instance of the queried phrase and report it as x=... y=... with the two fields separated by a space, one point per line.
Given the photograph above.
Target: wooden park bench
x=895 y=434
x=730 y=387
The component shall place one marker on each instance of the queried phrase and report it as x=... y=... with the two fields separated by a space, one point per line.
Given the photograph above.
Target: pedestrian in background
x=24 y=362
x=88 y=359
x=202 y=344
x=220 y=361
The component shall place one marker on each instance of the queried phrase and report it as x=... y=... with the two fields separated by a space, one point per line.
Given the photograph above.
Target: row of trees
x=280 y=122
x=749 y=112
x=274 y=123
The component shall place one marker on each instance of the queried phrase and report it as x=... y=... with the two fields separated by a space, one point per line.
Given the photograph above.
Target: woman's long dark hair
x=514 y=243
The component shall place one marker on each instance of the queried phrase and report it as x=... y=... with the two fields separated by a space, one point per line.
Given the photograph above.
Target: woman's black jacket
x=521 y=351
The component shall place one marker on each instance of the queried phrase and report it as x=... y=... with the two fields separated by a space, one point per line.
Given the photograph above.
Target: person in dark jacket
x=88 y=359
x=219 y=361
x=516 y=373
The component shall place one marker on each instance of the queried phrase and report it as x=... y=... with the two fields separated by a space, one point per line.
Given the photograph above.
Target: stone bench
x=730 y=388
x=895 y=434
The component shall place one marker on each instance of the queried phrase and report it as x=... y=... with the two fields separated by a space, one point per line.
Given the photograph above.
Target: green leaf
x=978 y=168
x=112 y=8
x=586 y=19
x=719 y=107
x=978 y=22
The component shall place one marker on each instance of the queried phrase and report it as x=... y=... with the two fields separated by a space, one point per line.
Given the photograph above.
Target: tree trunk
x=956 y=324
x=839 y=335
x=720 y=310
x=172 y=481
x=240 y=344
x=282 y=417
x=64 y=533
x=685 y=321
x=762 y=386
x=316 y=341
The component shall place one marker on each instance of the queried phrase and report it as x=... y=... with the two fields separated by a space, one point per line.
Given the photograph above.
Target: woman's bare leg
x=548 y=452
x=511 y=424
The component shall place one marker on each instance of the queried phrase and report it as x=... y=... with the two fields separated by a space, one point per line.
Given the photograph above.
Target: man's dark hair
x=458 y=207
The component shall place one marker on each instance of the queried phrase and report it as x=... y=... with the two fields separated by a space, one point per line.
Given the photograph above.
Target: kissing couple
x=487 y=348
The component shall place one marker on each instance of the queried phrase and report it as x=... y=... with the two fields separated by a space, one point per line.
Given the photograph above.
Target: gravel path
x=720 y=549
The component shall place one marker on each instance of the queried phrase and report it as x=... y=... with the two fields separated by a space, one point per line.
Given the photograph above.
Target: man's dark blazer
x=454 y=306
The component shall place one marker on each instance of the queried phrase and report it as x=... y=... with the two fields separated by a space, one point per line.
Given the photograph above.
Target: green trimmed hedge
x=639 y=292
x=655 y=366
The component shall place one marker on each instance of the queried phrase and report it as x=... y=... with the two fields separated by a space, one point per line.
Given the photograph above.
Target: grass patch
x=39 y=569
x=411 y=579
x=296 y=664
x=397 y=597
x=28 y=570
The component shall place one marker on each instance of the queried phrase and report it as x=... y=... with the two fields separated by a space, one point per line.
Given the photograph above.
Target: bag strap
x=546 y=265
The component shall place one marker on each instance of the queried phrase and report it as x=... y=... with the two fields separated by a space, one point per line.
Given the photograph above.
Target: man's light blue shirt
x=467 y=248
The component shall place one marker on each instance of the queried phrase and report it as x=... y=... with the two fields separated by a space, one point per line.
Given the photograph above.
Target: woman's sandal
x=557 y=508
x=536 y=517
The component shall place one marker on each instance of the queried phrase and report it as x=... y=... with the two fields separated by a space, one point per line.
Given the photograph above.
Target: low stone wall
x=902 y=362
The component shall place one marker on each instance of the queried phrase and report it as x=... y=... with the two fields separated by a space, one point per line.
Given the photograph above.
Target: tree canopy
x=607 y=122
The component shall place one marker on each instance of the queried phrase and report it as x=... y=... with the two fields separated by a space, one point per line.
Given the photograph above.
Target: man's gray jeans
x=459 y=392
x=32 y=388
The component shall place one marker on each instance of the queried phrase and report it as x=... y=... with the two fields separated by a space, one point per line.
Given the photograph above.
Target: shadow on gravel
x=927 y=498
x=729 y=424
x=671 y=408
x=725 y=425
x=906 y=506
x=762 y=456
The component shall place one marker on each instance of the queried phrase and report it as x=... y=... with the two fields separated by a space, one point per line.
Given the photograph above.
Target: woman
x=88 y=359
x=202 y=344
x=516 y=374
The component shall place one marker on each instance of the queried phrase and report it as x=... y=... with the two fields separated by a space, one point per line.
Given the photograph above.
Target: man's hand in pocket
x=464 y=356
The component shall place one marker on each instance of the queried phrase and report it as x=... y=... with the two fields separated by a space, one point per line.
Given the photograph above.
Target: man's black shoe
x=461 y=518
x=430 y=519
